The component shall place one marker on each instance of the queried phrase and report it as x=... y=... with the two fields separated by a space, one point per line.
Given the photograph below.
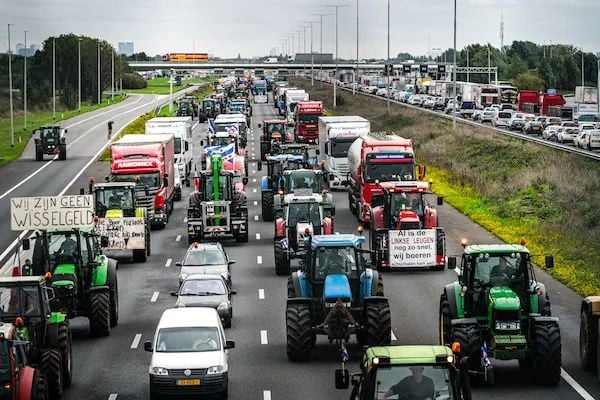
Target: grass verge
x=161 y=85
x=36 y=119
x=510 y=187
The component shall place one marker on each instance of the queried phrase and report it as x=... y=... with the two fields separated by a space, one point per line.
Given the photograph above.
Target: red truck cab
x=528 y=101
x=306 y=117
x=147 y=160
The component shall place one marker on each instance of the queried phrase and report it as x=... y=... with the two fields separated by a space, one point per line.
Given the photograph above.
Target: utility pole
x=337 y=7
x=598 y=91
x=387 y=91
x=312 y=56
x=99 y=94
x=357 y=78
x=583 y=69
x=468 y=65
x=10 y=91
x=454 y=76
x=25 y=86
x=490 y=64
x=112 y=82
x=171 y=90
x=321 y=43
x=54 y=78
x=79 y=73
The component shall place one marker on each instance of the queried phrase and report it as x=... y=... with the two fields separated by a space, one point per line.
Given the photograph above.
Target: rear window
x=467 y=105
x=504 y=115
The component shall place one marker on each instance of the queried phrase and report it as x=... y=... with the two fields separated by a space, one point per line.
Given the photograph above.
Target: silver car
x=205 y=258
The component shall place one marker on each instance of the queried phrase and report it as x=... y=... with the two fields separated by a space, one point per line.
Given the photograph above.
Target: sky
x=227 y=28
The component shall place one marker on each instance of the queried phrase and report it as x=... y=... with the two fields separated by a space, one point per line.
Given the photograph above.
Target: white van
x=189 y=354
x=181 y=129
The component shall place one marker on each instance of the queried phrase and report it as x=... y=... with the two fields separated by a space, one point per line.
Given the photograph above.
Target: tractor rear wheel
x=445 y=320
x=267 y=206
x=298 y=325
x=469 y=338
x=113 y=287
x=291 y=293
x=39 y=153
x=139 y=255
x=51 y=364
x=282 y=261
x=65 y=345
x=546 y=362
x=100 y=313
x=378 y=319
x=39 y=389
x=62 y=152
x=351 y=203
x=588 y=341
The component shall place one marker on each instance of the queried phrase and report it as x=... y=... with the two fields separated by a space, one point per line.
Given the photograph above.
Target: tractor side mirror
x=245 y=180
x=440 y=200
x=103 y=241
x=81 y=191
x=326 y=147
x=342 y=378
x=422 y=170
x=259 y=166
x=178 y=264
x=202 y=143
x=166 y=180
x=187 y=183
x=331 y=177
x=259 y=126
x=451 y=262
x=317 y=151
x=148 y=347
x=66 y=131
x=549 y=262
x=26 y=243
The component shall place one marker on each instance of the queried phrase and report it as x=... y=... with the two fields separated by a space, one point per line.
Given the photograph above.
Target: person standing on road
x=110 y=125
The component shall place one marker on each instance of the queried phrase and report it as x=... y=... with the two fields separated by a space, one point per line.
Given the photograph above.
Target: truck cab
x=306 y=119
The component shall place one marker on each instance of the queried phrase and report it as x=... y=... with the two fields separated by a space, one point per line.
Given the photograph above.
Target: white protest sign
x=126 y=233
x=51 y=212
x=412 y=248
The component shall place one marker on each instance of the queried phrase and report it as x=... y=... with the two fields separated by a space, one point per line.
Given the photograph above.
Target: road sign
x=51 y=212
x=127 y=233
x=412 y=248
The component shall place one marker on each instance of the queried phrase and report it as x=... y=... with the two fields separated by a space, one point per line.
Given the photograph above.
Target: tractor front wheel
x=546 y=362
x=65 y=345
x=445 y=320
x=100 y=313
x=62 y=152
x=282 y=261
x=267 y=206
x=378 y=319
x=299 y=337
x=588 y=341
x=39 y=389
x=51 y=364
x=39 y=153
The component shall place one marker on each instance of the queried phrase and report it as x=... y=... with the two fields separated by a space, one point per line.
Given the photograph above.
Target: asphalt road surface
x=116 y=367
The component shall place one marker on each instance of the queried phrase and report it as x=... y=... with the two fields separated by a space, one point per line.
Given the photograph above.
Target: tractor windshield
x=224 y=188
x=207 y=105
x=220 y=141
x=50 y=133
x=150 y=180
x=20 y=301
x=276 y=128
x=405 y=201
x=500 y=269
x=304 y=180
x=114 y=199
x=336 y=260
x=418 y=382
x=304 y=212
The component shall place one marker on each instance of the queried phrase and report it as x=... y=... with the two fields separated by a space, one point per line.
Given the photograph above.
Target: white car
x=502 y=119
x=550 y=132
x=429 y=103
x=588 y=139
x=451 y=105
x=569 y=130
x=488 y=114
x=381 y=92
x=189 y=350
x=415 y=100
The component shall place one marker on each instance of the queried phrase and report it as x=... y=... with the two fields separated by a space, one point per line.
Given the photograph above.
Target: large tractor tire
x=65 y=345
x=62 y=152
x=588 y=341
x=298 y=324
x=546 y=361
x=351 y=204
x=267 y=203
x=100 y=313
x=139 y=255
x=39 y=153
x=282 y=261
x=378 y=324
x=242 y=237
x=39 y=389
x=51 y=365
x=113 y=287
x=445 y=320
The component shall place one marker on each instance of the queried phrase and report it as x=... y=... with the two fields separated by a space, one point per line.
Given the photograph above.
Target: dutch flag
x=344 y=353
x=485 y=360
x=211 y=126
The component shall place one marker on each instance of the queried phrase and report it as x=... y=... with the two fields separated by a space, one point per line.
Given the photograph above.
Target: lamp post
x=312 y=56
x=321 y=40
x=54 y=78
x=25 y=85
x=357 y=77
x=10 y=91
x=79 y=74
x=337 y=7
x=99 y=94
x=112 y=74
x=454 y=76
x=387 y=91
x=598 y=91
x=171 y=90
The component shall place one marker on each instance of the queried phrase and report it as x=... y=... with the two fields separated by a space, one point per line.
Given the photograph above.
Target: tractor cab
x=184 y=108
x=49 y=134
x=51 y=142
x=304 y=179
x=274 y=133
x=116 y=200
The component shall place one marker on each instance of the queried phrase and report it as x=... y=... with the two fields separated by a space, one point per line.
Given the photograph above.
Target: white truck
x=181 y=129
x=336 y=134
x=291 y=98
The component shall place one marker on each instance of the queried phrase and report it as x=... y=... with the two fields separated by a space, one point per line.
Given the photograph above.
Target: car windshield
x=151 y=180
x=304 y=212
x=204 y=257
x=20 y=301
x=309 y=119
x=339 y=147
x=304 y=180
x=570 y=124
x=413 y=382
x=202 y=287
x=335 y=260
x=110 y=198
x=188 y=340
x=387 y=172
x=498 y=269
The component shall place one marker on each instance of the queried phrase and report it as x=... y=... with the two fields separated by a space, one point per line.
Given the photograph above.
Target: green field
x=34 y=121
x=162 y=86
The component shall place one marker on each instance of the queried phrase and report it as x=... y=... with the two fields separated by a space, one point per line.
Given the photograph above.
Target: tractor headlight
x=160 y=371
x=508 y=325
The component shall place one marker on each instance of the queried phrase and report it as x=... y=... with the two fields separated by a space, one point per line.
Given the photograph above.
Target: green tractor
x=498 y=309
x=25 y=303
x=115 y=200
x=50 y=141
x=408 y=372
x=185 y=109
x=84 y=280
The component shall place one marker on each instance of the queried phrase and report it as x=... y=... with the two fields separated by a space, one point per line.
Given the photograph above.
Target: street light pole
x=357 y=77
x=25 y=86
x=10 y=91
x=582 y=69
x=99 y=94
x=337 y=7
x=321 y=43
x=454 y=76
x=112 y=82
x=54 y=78
x=171 y=90
x=598 y=91
x=312 y=56
x=468 y=79
x=490 y=64
x=387 y=91
x=79 y=74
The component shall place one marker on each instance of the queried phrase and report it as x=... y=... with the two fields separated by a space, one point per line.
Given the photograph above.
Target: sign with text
x=412 y=248
x=51 y=212
x=126 y=233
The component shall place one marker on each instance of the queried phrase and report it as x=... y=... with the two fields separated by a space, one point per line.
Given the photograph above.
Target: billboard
x=186 y=57
x=51 y=212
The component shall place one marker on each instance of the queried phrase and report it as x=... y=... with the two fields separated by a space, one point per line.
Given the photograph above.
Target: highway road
x=116 y=367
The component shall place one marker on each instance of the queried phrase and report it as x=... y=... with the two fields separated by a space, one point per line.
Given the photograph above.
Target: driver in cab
x=414 y=387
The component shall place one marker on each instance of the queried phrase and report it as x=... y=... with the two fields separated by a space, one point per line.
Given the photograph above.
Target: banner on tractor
x=51 y=212
x=127 y=233
x=412 y=248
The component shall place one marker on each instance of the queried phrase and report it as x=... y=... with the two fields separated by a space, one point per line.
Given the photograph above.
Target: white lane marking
x=195 y=125
x=576 y=386
x=263 y=337
x=136 y=341
x=394 y=336
x=256 y=217
x=253 y=155
x=255 y=202
x=34 y=173
x=254 y=190
x=154 y=297
x=178 y=238
x=258 y=236
x=266 y=395
x=113 y=396
x=253 y=180
x=261 y=294
x=253 y=171
x=259 y=259
x=168 y=263
x=185 y=219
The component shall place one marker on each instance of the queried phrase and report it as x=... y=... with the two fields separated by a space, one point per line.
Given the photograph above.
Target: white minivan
x=189 y=354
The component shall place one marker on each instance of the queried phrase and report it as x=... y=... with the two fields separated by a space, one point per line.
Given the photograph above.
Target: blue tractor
x=335 y=293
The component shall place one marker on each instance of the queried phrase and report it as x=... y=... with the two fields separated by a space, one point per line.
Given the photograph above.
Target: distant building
x=317 y=58
x=125 y=48
x=23 y=51
x=273 y=52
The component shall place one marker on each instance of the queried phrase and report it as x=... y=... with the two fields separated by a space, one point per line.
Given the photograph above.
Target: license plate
x=189 y=382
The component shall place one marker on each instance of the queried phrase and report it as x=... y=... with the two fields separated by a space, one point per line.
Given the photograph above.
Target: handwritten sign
x=412 y=248
x=126 y=233
x=51 y=212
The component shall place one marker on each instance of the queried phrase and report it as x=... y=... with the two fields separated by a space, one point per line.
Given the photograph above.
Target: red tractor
x=273 y=131
x=404 y=228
